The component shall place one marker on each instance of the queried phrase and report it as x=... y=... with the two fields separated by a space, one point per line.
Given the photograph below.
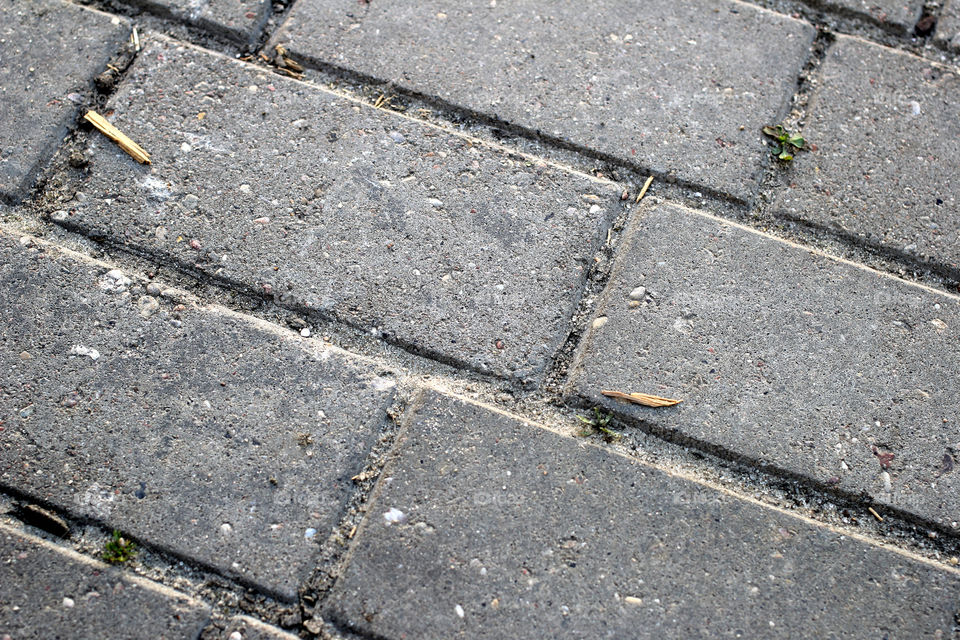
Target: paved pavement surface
x=49 y=592
x=508 y=530
x=948 y=28
x=786 y=357
x=654 y=84
x=334 y=360
x=192 y=428
x=39 y=99
x=445 y=247
x=877 y=174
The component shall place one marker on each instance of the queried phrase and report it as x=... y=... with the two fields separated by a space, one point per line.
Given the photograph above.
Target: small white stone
x=595 y=208
x=68 y=603
x=226 y=529
x=236 y=635
x=459 y=610
x=305 y=332
x=599 y=322
x=244 y=188
x=80 y=350
x=638 y=294
x=395 y=516
x=186 y=148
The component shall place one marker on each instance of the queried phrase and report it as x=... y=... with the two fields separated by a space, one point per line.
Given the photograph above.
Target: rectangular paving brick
x=898 y=15
x=784 y=357
x=240 y=20
x=488 y=527
x=194 y=429
x=50 y=51
x=450 y=249
x=948 y=26
x=887 y=131
x=47 y=592
x=655 y=84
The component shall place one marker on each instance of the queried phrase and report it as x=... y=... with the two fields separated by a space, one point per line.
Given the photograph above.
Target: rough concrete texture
x=898 y=15
x=879 y=173
x=247 y=628
x=788 y=358
x=48 y=592
x=240 y=20
x=948 y=26
x=450 y=249
x=193 y=429
x=486 y=527
x=50 y=52
x=655 y=84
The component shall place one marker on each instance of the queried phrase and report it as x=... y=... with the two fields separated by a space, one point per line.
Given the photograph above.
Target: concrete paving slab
x=450 y=249
x=784 y=357
x=898 y=15
x=948 y=26
x=50 y=592
x=679 y=88
x=240 y=20
x=223 y=440
x=487 y=527
x=50 y=51
x=879 y=172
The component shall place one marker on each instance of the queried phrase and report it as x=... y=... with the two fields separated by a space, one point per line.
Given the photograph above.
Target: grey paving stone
x=48 y=592
x=193 y=429
x=657 y=84
x=240 y=20
x=50 y=52
x=504 y=530
x=785 y=357
x=948 y=26
x=247 y=628
x=885 y=124
x=898 y=15
x=445 y=247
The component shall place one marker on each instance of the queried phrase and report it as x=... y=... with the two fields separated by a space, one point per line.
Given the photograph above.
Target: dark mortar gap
x=336 y=552
x=76 y=522
x=156 y=17
x=458 y=114
x=947 y=273
x=244 y=289
x=805 y=487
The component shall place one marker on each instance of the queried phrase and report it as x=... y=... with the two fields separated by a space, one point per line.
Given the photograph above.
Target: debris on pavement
x=643 y=191
x=134 y=150
x=644 y=399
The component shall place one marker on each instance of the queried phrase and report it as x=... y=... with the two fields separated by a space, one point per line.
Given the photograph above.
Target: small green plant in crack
x=118 y=549
x=785 y=142
x=598 y=424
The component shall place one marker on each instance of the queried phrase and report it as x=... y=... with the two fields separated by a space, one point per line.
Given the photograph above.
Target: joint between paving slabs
x=337 y=549
x=912 y=36
x=785 y=490
x=89 y=536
